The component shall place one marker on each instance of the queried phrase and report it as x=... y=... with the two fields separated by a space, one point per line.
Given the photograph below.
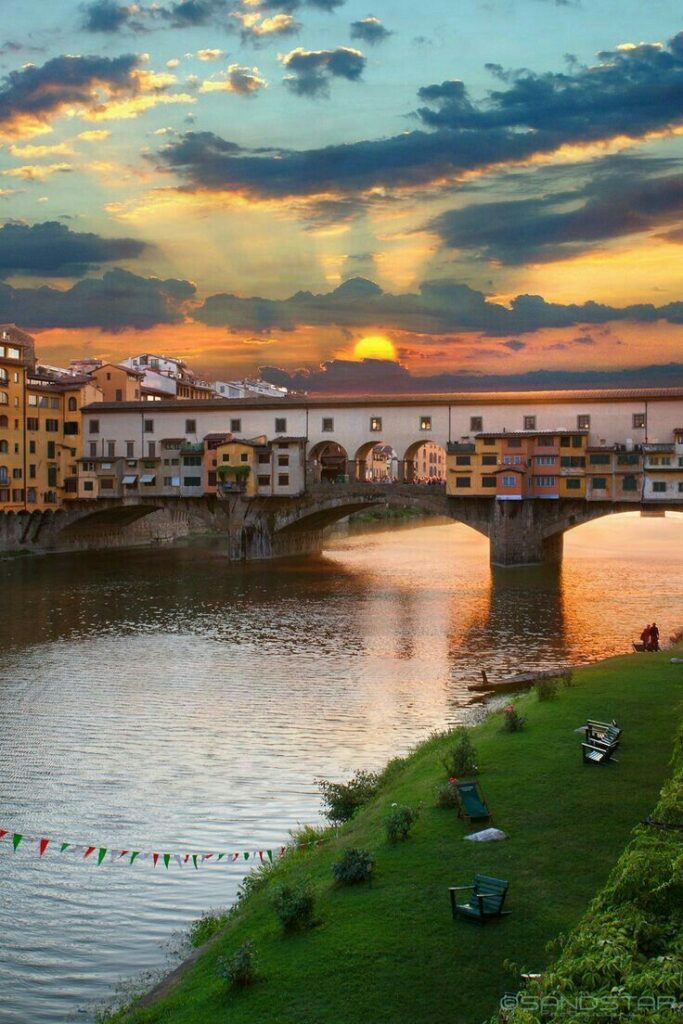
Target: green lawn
x=391 y=952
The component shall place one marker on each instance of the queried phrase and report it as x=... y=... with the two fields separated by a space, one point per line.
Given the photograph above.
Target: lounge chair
x=607 y=733
x=487 y=897
x=598 y=753
x=471 y=802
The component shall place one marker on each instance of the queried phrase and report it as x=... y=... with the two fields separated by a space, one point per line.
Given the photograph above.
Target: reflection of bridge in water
x=519 y=532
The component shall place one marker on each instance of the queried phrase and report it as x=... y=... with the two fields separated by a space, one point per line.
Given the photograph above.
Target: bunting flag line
x=98 y=854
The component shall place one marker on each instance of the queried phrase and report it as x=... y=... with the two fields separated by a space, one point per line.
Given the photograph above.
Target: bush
x=399 y=823
x=294 y=905
x=308 y=835
x=239 y=970
x=512 y=720
x=567 y=677
x=461 y=758
x=206 y=926
x=446 y=795
x=546 y=689
x=342 y=799
x=355 y=866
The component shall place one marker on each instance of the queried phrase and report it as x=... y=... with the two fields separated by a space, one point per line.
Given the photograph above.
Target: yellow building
x=237 y=465
x=118 y=383
x=17 y=357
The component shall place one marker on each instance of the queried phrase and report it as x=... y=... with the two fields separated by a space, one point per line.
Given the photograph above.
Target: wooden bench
x=487 y=898
x=598 y=753
x=607 y=733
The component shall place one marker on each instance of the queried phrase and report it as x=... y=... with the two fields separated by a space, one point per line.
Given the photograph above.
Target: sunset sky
x=381 y=195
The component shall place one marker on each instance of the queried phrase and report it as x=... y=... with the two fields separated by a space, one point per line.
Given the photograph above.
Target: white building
x=248 y=387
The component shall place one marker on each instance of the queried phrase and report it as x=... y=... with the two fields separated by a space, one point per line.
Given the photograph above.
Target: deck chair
x=598 y=753
x=471 y=802
x=487 y=897
x=603 y=733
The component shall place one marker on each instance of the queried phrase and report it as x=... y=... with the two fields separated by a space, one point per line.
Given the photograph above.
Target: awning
x=128 y=481
x=147 y=478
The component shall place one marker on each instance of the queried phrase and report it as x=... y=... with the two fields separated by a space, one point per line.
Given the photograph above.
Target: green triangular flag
x=64 y=846
x=16 y=839
x=270 y=854
x=194 y=860
x=134 y=854
x=246 y=856
x=167 y=859
x=101 y=854
x=221 y=856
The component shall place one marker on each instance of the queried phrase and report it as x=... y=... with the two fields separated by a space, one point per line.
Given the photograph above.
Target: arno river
x=169 y=700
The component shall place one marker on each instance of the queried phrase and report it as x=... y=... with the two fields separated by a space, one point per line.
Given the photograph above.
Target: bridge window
x=148 y=426
x=600 y=483
x=600 y=459
x=264 y=459
x=463 y=481
x=50 y=449
x=545 y=460
x=573 y=484
x=283 y=480
x=107 y=483
x=130 y=449
x=476 y=424
x=71 y=427
x=630 y=483
x=489 y=440
x=235 y=426
x=52 y=426
x=573 y=461
x=488 y=481
x=192 y=481
x=680 y=488
x=88 y=485
x=4 y=422
x=529 y=422
x=72 y=405
x=375 y=423
x=545 y=481
x=94 y=427
x=4 y=446
x=328 y=424
x=425 y=423
x=111 y=449
x=263 y=481
x=489 y=460
x=280 y=425
x=283 y=460
x=658 y=486
x=463 y=460
x=31 y=495
x=190 y=426
x=639 y=420
x=509 y=481
x=193 y=460
x=583 y=422
x=514 y=442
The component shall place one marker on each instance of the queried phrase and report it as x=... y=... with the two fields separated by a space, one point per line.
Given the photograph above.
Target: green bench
x=608 y=733
x=487 y=898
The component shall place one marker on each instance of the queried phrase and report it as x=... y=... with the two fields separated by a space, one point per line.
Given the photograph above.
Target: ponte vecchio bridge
x=317 y=452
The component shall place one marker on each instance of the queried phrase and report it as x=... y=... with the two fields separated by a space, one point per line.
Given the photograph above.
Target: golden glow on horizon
x=375 y=346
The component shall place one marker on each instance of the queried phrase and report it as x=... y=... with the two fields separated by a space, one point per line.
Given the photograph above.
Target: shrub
x=307 y=835
x=342 y=799
x=399 y=823
x=567 y=677
x=461 y=758
x=294 y=905
x=355 y=866
x=239 y=970
x=446 y=795
x=207 y=925
x=512 y=720
x=546 y=689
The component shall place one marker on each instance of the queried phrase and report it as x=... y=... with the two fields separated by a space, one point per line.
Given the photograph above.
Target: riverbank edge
x=394 y=782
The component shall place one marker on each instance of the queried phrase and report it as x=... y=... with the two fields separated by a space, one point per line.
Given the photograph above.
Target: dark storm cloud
x=114 y=302
x=369 y=30
x=560 y=226
x=188 y=13
x=438 y=307
x=374 y=376
x=632 y=92
x=289 y=6
x=109 y=16
x=515 y=345
x=51 y=248
x=309 y=72
x=37 y=92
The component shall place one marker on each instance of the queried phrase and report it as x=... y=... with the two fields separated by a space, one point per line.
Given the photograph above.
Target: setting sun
x=374 y=347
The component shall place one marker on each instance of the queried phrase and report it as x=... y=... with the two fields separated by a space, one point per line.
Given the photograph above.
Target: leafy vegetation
x=399 y=823
x=354 y=866
x=341 y=800
x=391 y=951
x=512 y=720
x=461 y=757
x=446 y=796
x=294 y=905
x=547 y=689
x=239 y=970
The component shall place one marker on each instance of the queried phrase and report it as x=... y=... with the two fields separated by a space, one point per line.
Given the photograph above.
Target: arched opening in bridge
x=377 y=462
x=425 y=463
x=328 y=462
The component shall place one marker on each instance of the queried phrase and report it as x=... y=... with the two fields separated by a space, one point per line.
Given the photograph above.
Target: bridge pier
x=518 y=535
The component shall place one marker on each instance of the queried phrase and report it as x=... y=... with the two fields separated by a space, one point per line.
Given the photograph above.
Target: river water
x=170 y=700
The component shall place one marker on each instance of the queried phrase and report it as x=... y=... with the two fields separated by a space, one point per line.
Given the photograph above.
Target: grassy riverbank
x=391 y=951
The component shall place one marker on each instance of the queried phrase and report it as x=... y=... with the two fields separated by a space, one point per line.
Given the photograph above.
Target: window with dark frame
x=476 y=425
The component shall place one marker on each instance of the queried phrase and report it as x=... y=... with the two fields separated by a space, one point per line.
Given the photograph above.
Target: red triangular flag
x=42 y=846
x=91 y=849
x=155 y=858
